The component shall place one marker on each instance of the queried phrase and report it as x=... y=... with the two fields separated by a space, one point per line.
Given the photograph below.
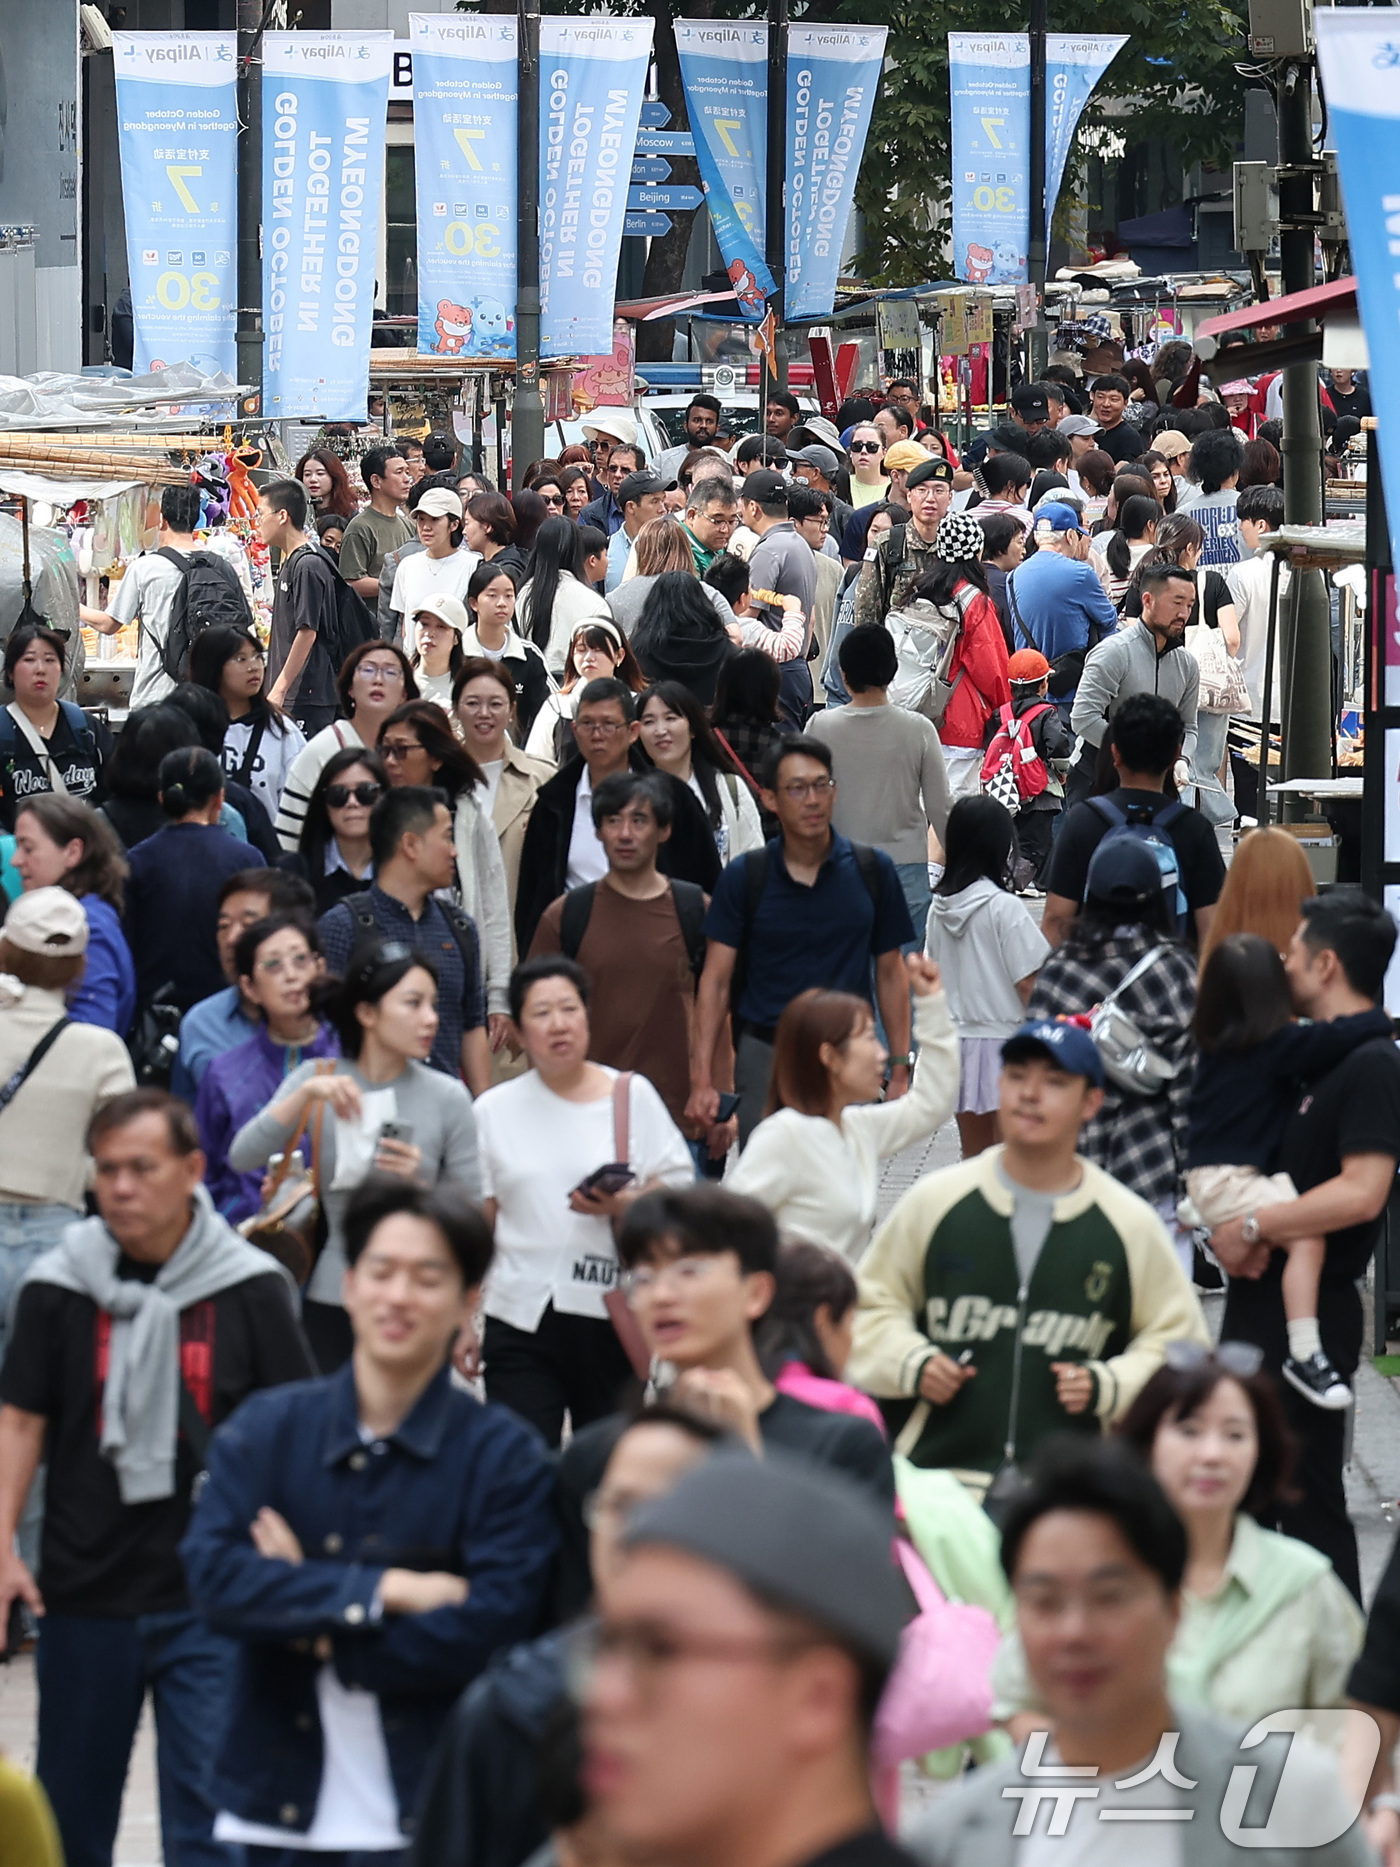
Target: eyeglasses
x=866 y=447
x=1241 y=1358
x=647 y=1279
x=392 y=750
x=378 y=671
x=294 y=962
x=339 y=795
x=800 y=788
x=471 y=704
x=604 y=728
x=648 y=1650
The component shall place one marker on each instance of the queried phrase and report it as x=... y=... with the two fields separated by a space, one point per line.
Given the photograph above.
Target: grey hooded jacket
x=1126 y=663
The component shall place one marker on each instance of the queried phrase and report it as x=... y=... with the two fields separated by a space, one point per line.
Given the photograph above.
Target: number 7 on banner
x=465 y=139
x=177 y=173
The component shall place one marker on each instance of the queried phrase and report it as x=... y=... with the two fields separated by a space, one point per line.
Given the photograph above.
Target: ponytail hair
x=189 y=779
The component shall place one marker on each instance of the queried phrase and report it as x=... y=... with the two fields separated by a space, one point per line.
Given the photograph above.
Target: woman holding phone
x=385 y=1110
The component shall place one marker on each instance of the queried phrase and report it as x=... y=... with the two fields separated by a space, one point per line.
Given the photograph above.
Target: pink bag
x=940 y=1691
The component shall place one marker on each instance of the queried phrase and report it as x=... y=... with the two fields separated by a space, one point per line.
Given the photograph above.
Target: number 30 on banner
x=461 y=238
x=200 y=291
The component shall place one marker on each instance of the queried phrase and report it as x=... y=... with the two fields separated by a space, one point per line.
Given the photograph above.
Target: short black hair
x=899 y=414
x=805 y=502
x=286 y=893
x=608 y=687
x=1000 y=529
x=405 y=810
x=1357 y=929
x=245 y=949
x=621 y=788
x=289 y=497
x=374 y=462
x=181 y=1131
x=1243 y=996
x=545 y=966
x=1110 y=382
x=1047 y=448
x=784 y=398
x=701 y=1219
x=1003 y=472
x=1215 y=455
x=1147 y=731
x=462 y=1224
x=764 y=449
x=1104 y=1479
x=1157 y=576
x=868 y=658
x=729 y=574
x=793 y=745
x=1263 y=504
x=711 y=402
x=23 y=637
x=179 y=507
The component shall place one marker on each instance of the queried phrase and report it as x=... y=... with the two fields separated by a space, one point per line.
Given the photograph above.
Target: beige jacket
x=42 y=1157
x=521 y=778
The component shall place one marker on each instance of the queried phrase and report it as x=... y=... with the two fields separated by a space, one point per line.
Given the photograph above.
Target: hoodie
x=984 y=940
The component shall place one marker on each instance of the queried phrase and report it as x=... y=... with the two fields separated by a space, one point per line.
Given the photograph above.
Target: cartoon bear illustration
x=978 y=264
x=492 y=328
x=746 y=287
x=454 y=328
x=1007 y=263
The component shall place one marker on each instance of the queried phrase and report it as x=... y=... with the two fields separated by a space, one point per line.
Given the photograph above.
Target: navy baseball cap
x=1068 y=1045
x=1058 y=517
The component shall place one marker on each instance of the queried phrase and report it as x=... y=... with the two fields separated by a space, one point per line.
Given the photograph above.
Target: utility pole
x=1307 y=618
x=1036 y=250
x=248 y=337
x=775 y=221
x=527 y=408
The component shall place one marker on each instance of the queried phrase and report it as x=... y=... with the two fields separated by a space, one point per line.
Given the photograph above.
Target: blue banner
x=724 y=68
x=833 y=72
x=990 y=80
x=465 y=96
x=325 y=99
x=177 y=130
x=1358 y=56
x=592 y=75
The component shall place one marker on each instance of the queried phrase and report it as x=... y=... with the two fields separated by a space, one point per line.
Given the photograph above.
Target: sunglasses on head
x=866 y=447
x=339 y=795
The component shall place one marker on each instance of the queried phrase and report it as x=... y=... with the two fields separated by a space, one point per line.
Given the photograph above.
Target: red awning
x=1339 y=296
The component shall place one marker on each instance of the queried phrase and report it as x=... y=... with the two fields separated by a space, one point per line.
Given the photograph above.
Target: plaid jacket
x=1140 y=1140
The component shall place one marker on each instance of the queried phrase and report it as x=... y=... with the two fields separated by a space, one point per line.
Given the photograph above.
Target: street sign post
x=655 y=115
x=680 y=198
x=665 y=143
x=646 y=226
x=650 y=169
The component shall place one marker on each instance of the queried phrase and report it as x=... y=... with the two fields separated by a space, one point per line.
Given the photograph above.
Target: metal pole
x=527 y=410
x=1037 y=250
x=1264 y=804
x=1307 y=679
x=248 y=338
x=775 y=220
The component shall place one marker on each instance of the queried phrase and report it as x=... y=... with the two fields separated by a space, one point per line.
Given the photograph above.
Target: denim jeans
x=94 y=1671
x=918 y=897
x=26 y=1233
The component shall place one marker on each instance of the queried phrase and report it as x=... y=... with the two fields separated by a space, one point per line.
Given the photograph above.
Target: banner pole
x=775 y=220
x=527 y=407
x=249 y=333
x=1037 y=249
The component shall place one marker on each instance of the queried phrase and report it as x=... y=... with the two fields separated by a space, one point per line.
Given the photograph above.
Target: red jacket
x=981 y=658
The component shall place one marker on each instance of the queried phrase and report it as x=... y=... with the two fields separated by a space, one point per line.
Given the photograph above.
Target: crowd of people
x=450 y=1355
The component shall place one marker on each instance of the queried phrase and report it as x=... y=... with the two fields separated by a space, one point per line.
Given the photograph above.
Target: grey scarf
x=141 y=1402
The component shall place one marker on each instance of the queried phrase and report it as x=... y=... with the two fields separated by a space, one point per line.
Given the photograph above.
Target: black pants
x=573 y=1363
x=1035 y=831
x=328 y=1334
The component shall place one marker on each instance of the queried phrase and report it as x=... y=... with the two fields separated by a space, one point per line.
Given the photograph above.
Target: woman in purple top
x=277 y=961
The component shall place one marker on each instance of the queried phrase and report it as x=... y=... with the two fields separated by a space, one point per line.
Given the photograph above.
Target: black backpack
x=686 y=897
x=460 y=924
x=355 y=621
x=208 y=592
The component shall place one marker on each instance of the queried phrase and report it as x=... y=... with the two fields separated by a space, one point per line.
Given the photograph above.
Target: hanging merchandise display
x=724 y=68
x=465 y=99
x=592 y=76
x=833 y=73
x=325 y=101
x=177 y=139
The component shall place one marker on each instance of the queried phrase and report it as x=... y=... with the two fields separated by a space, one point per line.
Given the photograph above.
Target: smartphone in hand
x=607 y=1180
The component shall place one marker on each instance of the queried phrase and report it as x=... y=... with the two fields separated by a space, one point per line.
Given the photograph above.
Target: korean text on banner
x=990 y=78
x=724 y=68
x=1358 y=54
x=592 y=74
x=325 y=100
x=177 y=113
x=465 y=97
x=833 y=72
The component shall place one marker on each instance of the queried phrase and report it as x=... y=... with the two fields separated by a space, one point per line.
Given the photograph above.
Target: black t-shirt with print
x=100 y=1556
x=78 y=750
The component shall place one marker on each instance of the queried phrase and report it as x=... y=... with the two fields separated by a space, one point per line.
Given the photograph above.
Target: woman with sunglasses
x=1265 y=1624
x=386 y=1110
x=419 y=747
x=492 y=632
x=375 y=679
x=867 y=450
x=597 y=649
x=262 y=742
x=334 y=854
x=276 y=962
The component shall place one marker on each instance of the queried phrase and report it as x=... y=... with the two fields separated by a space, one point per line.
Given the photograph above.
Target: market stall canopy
x=51 y=400
x=1320 y=305
x=63 y=493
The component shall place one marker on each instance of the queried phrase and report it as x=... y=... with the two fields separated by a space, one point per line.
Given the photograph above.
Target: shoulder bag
x=619 y=1310
x=1129 y=1061
x=1222 y=683
x=290 y=1225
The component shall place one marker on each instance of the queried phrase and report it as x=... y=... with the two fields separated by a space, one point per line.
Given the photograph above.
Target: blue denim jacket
x=459 y=1486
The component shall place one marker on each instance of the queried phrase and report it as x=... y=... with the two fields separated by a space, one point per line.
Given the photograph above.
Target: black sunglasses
x=339 y=795
x=866 y=447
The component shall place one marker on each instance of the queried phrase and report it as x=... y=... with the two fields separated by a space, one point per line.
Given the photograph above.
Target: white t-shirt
x=435 y=686
x=491 y=770
x=422 y=576
x=588 y=860
x=147 y=593
x=534 y=1149
x=273 y=760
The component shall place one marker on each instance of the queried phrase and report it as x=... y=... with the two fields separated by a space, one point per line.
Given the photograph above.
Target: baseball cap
x=48 y=920
x=1056 y=516
x=1027 y=664
x=1068 y=1045
x=1076 y=424
x=802 y=1539
x=639 y=485
x=906 y=456
x=1171 y=443
x=440 y=502
x=765 y=486
x=1123 y=873
x=447 y=608
x=821 y=458
x=926 y=470
x=1030 y=400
